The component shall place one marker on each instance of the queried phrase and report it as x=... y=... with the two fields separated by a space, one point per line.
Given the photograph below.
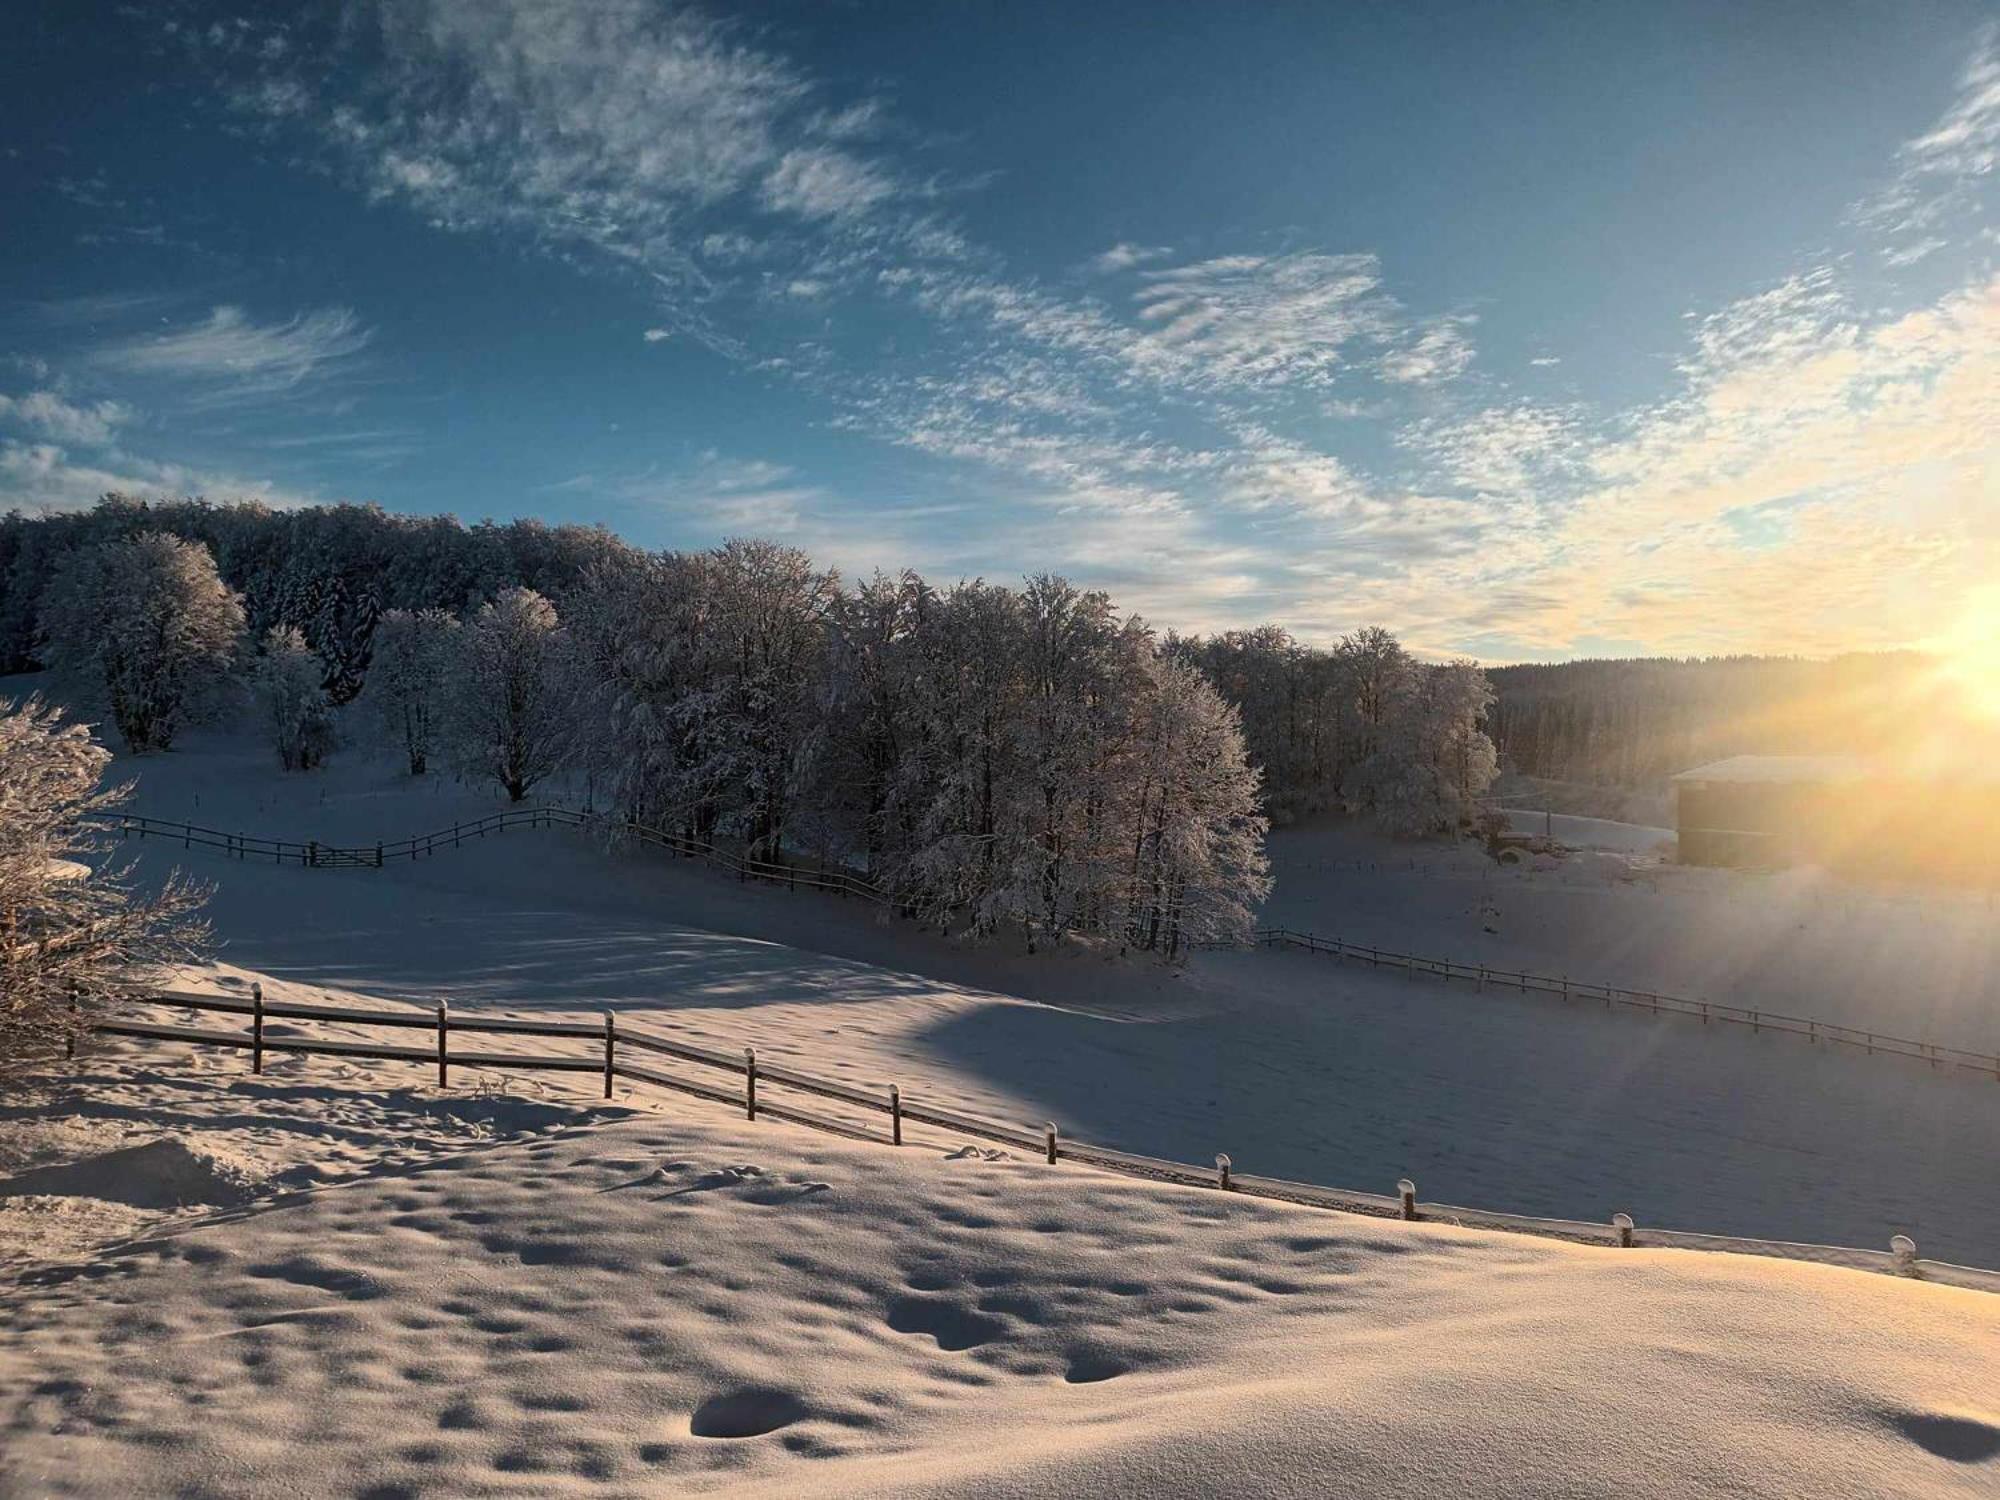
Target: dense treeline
x=1364 y=727
x=994 y=757
x=322 y=570
x=1634 y=722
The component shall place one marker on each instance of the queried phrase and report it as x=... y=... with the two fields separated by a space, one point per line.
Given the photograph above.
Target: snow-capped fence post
x=256 y=1028
x=444 y=1062
x=1406 y=1192
x=750 y=1083
x=1222 y=1165
x=610 y=1046
x=1905 y=1250
x=895 y=1115
x=1623 y=1224
x=1049 y=1140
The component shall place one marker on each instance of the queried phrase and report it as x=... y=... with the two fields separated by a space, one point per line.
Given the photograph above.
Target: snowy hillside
x=335 y=1279
x=679 y=1301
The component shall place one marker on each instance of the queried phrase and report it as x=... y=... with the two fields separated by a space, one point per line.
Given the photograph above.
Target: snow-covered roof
x=1780 y=769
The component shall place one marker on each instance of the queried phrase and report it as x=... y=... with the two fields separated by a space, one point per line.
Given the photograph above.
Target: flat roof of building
x=1780 y=769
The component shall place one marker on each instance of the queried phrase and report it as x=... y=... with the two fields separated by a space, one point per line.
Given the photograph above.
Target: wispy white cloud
x=656 y=335
x=235 y=358
x=1124 y=255
x=43 y=479
x=1263 y=320
x=50 y=414
x=823 y=182
x=1945 y=173
x=1437 y=351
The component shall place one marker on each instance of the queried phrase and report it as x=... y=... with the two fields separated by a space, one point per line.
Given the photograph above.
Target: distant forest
x=1632 y=723
x=1314 y=719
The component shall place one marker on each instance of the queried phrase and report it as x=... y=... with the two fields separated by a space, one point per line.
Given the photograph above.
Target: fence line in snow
x=1573 y=991
x=609 y=1057
x=315 y=854
x=425 y=845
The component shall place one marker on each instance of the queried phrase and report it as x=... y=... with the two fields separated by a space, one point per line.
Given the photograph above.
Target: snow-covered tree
x=73 y=933
x=1197 y=866
x=146 y=622
x=296 y=714
x=415 y=652
x=512 y=699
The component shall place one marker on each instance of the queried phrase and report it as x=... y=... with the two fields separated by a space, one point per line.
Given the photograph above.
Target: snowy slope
x=1295 y=1066
x=1913 y=961
x=687 y=1304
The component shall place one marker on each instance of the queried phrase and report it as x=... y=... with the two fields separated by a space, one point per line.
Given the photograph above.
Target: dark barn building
x=1840 y=811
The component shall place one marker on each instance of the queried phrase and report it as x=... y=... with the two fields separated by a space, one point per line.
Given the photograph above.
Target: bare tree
x=74 y=934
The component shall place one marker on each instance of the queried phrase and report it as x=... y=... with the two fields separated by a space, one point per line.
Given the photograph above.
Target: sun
x=1971 y=653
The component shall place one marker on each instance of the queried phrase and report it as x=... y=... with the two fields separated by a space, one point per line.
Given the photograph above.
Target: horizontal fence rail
x=1575 y=991
x=314 y=854
x=749 y=1079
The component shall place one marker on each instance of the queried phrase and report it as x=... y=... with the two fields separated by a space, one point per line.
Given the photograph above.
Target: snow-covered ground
x=494 y=1289
x=1591 y=833
x=681 y=1302
x=1922 y=963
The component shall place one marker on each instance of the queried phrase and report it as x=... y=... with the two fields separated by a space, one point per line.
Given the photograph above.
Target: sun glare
x=1971 y=653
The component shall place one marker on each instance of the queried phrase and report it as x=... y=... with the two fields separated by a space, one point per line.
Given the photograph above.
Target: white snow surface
x=688 y=1304
x=338 y=1280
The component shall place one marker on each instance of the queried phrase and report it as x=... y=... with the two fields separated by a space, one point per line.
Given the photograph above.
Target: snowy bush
x=511 y=695
x=414 y=656
x=71 y=926
x=300 y=720
x=148 y=624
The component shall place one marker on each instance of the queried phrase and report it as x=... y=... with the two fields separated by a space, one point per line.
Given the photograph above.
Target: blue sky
x=1588 y=330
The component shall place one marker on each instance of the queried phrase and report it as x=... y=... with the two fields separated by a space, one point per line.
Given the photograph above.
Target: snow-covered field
x=681 y=1301
x=512 y=1289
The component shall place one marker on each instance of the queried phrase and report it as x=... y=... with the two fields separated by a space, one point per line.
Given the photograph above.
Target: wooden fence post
x=1222 y=1165
x=750 y=1082
x=895 y=1115
x=1482 y=979
x=1623 y=1224
x=610 y=1045
x=444 y=1061
x=312 y=853
x=1049 y=1140
x=75 y=1021
x=378 y=854
x=1406 y=1191
x=257 y=1027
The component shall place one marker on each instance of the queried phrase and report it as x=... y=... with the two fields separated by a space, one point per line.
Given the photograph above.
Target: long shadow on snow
x=1496 y=1103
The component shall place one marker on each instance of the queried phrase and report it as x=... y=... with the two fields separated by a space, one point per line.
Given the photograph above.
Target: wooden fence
x=317 y=855
x=611 y=1050
x=843 y=882
x=1577 y=991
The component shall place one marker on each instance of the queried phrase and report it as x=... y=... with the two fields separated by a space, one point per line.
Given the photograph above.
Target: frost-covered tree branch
x=74 y=933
